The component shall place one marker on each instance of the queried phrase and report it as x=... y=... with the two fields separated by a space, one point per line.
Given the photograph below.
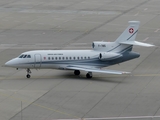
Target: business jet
x=102 y=55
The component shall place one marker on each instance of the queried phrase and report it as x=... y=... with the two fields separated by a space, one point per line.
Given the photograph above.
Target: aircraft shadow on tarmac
x=97 y=77
x=68 y=75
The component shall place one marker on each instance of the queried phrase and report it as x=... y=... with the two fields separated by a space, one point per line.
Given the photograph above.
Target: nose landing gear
x=28 y=73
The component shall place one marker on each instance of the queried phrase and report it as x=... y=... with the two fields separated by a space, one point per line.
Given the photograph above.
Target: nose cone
x=11 y=63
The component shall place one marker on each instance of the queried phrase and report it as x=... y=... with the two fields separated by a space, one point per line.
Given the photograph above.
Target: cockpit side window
x=29 y=56
x=21 y=56
x=24 y=56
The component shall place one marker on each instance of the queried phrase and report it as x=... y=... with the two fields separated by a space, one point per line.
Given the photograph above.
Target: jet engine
x=102 y=46
x=104 y=56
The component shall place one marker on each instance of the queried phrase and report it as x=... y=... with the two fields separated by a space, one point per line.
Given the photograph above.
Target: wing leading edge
x=93 y=69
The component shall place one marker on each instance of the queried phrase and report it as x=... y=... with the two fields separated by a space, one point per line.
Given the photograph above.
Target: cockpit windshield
x=24 y=56
x=21 y=56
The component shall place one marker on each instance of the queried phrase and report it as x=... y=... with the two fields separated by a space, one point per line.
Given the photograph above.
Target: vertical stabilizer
x=130 y=32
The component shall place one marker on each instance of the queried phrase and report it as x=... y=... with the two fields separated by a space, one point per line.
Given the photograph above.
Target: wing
x=94 y=69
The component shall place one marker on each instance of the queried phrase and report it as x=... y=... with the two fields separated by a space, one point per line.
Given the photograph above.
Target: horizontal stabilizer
x=136 y=43
x=89 y=69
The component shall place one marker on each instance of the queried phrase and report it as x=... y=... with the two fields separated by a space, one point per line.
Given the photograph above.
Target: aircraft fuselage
x=59 y=59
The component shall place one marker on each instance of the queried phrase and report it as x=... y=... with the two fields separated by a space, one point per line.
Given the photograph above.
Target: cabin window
x=48 y=58
x=84 y=57
x=56 y=58
x=66 y=58
x=29 y=56
x=78 y=58
x=88 y=57
x=70 y=58
x=59 y=58
x=63 y=58
x=81 y=57
x=52 y=58
x=74 y=58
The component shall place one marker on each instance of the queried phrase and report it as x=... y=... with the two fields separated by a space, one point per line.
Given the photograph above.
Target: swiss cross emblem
x=131 y=30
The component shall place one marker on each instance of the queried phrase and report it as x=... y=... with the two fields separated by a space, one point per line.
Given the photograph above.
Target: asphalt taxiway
x=74 y=24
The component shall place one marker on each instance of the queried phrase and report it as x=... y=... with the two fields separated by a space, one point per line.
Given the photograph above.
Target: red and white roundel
x=131 y=30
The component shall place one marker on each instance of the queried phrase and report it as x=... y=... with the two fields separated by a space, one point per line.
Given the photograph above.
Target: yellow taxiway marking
x=129 y=75
x=146 y=75
x=38 y=105
x=57 y=111
x=66 y=77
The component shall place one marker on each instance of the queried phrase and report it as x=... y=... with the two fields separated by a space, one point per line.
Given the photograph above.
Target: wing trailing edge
x=91 y=69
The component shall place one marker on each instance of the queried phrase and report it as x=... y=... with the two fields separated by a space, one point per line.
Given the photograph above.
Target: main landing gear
x=77 y=72
x=28 y=73
x=89 y=75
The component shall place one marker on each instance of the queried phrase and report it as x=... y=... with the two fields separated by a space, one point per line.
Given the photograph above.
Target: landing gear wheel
x=89 y=75
x=77 y=72
x=28 y=75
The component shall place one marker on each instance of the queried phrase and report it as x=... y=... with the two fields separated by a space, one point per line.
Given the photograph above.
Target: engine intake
x=109 y=56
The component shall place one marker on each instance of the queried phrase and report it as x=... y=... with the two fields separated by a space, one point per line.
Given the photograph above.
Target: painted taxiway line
x=157 y=30
x=120 y=118
x=145 y=9
x=146 y=39
x=35 y=104
x=82 y=76
x=136 y=14
x=114 y=118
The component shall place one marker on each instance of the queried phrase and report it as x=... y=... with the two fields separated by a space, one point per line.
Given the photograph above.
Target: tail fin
x=130 y=32
x=129 y=35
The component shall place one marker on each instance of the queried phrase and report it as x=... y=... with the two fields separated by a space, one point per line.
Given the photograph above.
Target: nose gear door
x=37 y=60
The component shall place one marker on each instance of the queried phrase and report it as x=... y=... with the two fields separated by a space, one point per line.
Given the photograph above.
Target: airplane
x=103 y=54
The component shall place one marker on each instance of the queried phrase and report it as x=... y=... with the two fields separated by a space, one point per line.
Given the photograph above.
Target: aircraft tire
x=88 y=75
x=28 y=76
x=77 y=72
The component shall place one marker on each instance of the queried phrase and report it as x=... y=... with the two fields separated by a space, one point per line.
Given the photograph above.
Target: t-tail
x=129 y=35
x=121 y=49
x=124 y=42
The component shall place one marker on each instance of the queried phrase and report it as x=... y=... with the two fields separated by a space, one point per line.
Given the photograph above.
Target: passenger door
x=37 y=60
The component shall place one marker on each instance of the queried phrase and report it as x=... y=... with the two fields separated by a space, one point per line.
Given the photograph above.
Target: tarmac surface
x=74 y=24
